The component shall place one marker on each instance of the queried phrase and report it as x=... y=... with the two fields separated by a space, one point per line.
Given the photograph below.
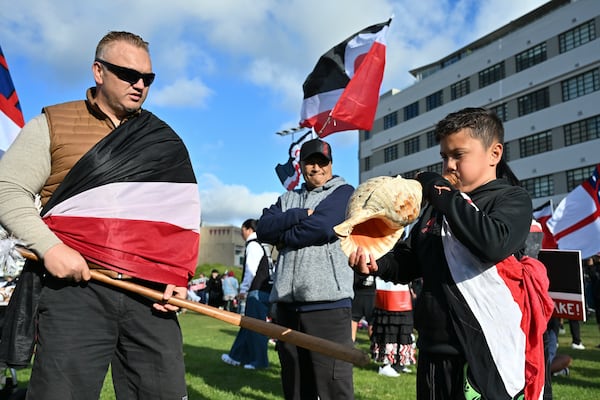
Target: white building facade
x=539 y=73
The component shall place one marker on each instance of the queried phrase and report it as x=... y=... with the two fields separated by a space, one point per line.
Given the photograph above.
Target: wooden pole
x=269 y=329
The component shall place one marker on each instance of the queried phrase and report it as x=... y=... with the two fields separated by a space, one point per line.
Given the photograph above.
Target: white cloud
x=269 y=46
x=489 y=12
x=178 y=55
x=273 y=44
x=279 y=78
x=224 y=204
x=181 y=93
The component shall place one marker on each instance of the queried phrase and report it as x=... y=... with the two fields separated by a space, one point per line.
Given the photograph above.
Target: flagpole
x=327 y=121
x=269 y=329
x=291 y=131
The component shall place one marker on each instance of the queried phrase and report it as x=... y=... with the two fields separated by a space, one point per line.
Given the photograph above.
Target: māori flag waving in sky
x=342 y=91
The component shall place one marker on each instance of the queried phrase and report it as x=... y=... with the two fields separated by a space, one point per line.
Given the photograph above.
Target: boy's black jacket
x=497 y=228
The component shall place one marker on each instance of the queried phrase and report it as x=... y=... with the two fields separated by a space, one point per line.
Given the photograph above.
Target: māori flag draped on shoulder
x=499 y=313
x=131 y=204
x=11 y=116
x=342 y=91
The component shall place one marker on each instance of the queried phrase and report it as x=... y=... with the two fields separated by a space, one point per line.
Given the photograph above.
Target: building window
x=491 y=74
x=411 y=111
x=582 y=131
x=577 y=36
x=576 y=177
x=500 y=111
x=367 y=163
x=367 y=135
x=580 y=85
x=434 y=100
x=390 y=153
x=431 y=140
x=534 y=101
x=531 y=57
x=437 y=168
x=390 y=120
x=460 y=89
x=542 y=186
x=535 y=144
x=452 y=60
x=411 y=146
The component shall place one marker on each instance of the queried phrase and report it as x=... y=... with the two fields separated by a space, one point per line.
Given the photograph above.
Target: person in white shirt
x=250 y=348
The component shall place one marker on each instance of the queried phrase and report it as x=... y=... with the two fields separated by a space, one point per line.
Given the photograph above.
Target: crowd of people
x=218 y=290
x=458 y=285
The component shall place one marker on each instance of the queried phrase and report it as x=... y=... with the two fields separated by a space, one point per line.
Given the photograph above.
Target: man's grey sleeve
x=24 y=169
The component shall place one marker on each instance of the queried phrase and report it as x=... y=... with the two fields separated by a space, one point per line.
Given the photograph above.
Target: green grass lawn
x=205 y=339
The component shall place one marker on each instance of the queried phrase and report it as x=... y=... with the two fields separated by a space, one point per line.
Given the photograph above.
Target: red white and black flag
x=289 y=173
x=499 y=313
x=542 y=214
x=575 y=223
x=11 y=116
x=342 y=91
x=131 y=204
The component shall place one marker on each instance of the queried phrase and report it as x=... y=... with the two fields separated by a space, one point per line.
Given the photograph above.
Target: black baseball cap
x=314 y=146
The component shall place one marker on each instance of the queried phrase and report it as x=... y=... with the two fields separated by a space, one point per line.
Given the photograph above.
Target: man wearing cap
x=312 y=288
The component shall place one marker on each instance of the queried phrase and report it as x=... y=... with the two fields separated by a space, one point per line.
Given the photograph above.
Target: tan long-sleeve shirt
x=24 y=169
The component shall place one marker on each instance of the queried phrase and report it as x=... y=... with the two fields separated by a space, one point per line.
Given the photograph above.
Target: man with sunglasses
x=101 y=167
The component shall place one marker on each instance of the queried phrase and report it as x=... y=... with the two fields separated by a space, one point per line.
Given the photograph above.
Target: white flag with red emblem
x=575 y=223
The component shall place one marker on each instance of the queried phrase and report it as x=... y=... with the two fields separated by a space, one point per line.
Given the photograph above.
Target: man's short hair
x=119 y=36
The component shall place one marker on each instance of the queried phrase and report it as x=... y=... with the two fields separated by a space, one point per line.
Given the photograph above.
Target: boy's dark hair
x=485 y=126
x=250 y=224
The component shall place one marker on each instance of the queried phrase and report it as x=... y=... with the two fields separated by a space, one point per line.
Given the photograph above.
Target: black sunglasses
x=127 y=74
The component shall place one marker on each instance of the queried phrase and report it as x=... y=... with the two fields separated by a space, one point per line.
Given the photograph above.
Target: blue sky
x=230 y=72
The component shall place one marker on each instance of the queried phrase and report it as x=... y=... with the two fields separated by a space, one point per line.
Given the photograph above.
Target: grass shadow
x=205 y=363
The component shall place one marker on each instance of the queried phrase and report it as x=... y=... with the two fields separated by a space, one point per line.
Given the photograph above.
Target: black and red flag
x=11 y=116
x=342 y=91
x=289 y=173
x=542 y=214
x=499 y=313
x=131 y=204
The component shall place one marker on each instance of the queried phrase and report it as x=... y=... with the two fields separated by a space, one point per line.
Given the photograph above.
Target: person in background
x=533 y=245
x=363 y=303
x=558 y=363
x=480 y=299
x=230 y=291
x=391 y=340
x=312 y=288
x=197 y=289
x=214 y=289
x=250 y=348
x=84 y=158
x=594 y=265
x=575 y=328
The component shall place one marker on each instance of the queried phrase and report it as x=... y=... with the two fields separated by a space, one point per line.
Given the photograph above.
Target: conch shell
x=377 y=213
